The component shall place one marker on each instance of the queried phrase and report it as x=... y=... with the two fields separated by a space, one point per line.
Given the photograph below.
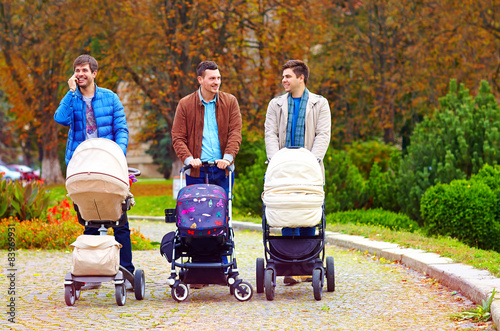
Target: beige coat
x=318 y=125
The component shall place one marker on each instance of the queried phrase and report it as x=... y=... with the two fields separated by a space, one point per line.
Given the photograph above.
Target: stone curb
x=477 y=285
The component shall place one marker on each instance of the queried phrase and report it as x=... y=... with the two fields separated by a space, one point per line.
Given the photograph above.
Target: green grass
x=154 y=196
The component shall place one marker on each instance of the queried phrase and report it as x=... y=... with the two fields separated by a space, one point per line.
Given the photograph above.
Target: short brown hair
x=298 y=67
x=84 y=59
x=210 y=65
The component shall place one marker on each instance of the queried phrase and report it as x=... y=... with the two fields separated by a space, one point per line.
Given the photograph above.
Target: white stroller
x=97 y=181
x=293 y=197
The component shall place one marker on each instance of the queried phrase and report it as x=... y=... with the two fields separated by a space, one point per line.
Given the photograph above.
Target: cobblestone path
x=370 y=295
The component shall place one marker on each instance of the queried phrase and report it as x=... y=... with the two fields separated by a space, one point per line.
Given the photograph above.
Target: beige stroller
x=97 y=181
x=293 y=197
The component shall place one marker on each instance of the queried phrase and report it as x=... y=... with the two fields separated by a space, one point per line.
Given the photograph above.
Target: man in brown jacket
x=207 y=127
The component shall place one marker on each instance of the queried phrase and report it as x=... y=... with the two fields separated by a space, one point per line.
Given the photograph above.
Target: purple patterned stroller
x=202 y=247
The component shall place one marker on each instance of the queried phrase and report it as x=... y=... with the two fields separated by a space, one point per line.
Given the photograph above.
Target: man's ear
x=199 y=79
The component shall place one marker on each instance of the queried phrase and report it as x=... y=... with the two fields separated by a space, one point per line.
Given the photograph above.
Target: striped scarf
x=300 y=127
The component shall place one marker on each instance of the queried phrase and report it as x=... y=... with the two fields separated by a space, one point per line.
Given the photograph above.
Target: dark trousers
x=122 y=235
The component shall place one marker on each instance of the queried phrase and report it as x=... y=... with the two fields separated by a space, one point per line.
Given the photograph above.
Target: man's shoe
x=91 y=286
x=289 y=280
x=128 y=285
x=306 y=279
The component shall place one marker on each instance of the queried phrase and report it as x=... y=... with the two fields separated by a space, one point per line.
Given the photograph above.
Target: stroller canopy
x=293 y=189
x=97 y=179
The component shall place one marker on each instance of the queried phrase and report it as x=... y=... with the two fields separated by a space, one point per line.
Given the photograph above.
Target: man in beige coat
x=317 y=114
x=298 y=118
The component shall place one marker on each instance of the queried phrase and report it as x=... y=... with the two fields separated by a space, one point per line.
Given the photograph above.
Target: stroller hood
x=293 y=189
x=97 y=179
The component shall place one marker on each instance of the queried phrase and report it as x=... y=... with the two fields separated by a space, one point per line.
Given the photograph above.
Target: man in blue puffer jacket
x=94 y=112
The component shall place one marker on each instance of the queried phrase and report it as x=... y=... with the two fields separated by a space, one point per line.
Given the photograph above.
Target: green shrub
x=455 y=143
x=344 y=187
x=491 y=177
x=379 y=217
x=381 y=188
x=21 y=200
x=250 y=184
x=464 y=210
x=365 y=153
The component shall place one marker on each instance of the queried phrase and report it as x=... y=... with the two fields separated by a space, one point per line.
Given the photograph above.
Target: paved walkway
x=370 y=295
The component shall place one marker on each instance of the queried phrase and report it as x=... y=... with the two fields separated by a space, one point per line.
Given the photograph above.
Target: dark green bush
x=455 y=143
x=365 y=153
x=344 y=187
x=381 y=188
x=250 y=184
x=491 y=177
x=464 y=210
x=384 y=218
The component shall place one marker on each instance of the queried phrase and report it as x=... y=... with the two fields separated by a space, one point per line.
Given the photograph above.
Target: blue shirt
x=210 y=147
x=296 y=109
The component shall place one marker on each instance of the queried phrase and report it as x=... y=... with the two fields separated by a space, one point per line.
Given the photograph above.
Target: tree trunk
x=51 y=169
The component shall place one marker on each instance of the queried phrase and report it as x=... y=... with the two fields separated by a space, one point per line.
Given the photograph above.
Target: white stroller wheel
x=180 y=292
x=243 y=292
x=120 y=294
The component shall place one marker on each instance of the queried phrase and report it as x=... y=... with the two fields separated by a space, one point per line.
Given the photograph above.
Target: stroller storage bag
x=293 y=189
x=95 y=255
x=97 y=179
x=201 y=210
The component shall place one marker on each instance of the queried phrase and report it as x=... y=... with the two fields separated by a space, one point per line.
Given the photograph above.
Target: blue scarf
x=300 y=127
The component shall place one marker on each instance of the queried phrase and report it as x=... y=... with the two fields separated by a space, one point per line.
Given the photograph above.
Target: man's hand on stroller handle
x=222 y=163
x=197 y=163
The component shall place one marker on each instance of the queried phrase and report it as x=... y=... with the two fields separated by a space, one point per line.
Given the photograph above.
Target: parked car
x=27 y=173
x=10 y=174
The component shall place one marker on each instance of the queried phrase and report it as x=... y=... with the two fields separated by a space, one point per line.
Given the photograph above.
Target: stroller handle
x=134 y=171
x=204 y=164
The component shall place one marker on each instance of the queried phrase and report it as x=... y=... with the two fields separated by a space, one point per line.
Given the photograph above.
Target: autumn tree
x=38 y=40
x=387 y=62
x=158 y=44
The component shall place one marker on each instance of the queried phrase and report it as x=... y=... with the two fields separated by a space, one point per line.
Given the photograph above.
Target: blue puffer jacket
x=109 y=116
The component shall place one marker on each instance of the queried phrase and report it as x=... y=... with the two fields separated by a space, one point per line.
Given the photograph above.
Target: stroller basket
x=201 y=211
x=294 y=249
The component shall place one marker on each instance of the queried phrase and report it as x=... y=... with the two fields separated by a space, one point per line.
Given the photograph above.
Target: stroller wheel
x=139 y=284
x=120 y=294
x=180 y=292
x=78 y=290
x=317 y=284
x=69 y=294
x=330 y=274
x=259 y=279
x=243 y=292
x=269 y=284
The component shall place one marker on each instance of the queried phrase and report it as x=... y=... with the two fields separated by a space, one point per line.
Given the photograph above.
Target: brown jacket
x=187 y=130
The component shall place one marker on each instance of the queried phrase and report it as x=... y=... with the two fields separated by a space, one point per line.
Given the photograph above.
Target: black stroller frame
x=73 y=284
x=294 y=256
x=201 y=258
